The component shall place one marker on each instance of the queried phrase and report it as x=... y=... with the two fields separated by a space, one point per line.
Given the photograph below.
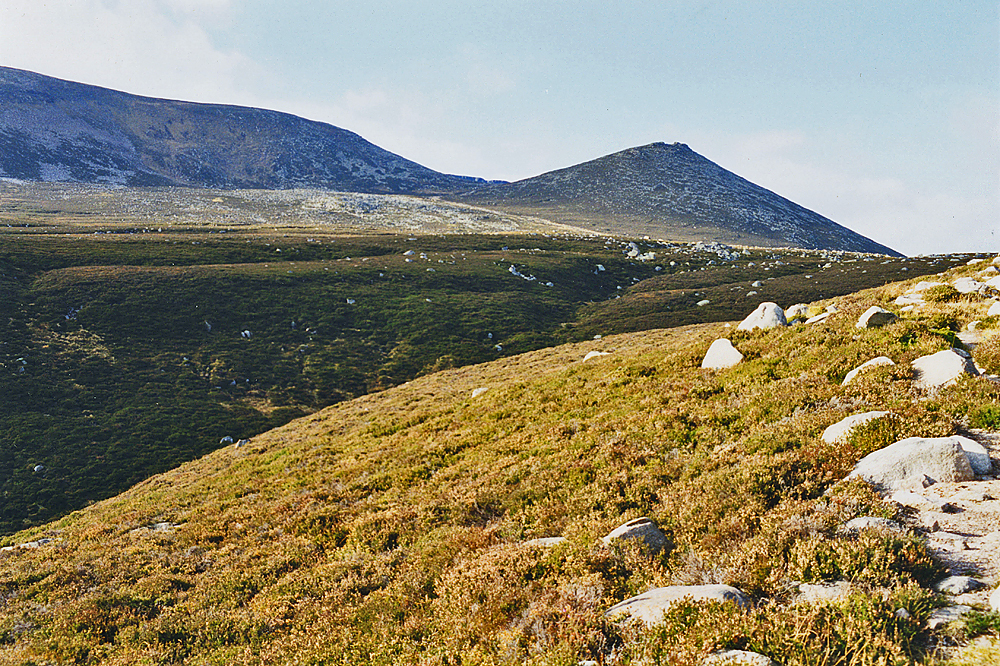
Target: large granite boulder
x=767 y=315
x=650 y=606
x=935 y=371
x=721 y=354
x=900 y=465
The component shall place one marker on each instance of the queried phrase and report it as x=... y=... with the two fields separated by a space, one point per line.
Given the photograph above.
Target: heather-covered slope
x=54 y=130
x=390 y=529
x=670 y=191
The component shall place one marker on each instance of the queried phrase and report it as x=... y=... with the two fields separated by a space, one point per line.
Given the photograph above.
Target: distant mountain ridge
x=55 y=130
x=668 y=188
x=60 y=131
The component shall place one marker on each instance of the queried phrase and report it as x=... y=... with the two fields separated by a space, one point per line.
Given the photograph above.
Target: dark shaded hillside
x=54 y=130
x=670 y=191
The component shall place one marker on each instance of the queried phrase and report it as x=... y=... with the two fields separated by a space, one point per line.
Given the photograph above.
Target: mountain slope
x=671 y=191
x=391 y=528
x=54 y=130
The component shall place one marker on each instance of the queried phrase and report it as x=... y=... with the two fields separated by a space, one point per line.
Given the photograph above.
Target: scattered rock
x=842 y=429
x=243 y=442
x=862 y=523
x=875 y=317
x=979 y=457
x=594 y=354
x=815 y=593
x=995 y=600
x=38 y=468
x=942 y=616
x=875 y=362
x=967 y=285
x=650 y=606
x=476 y=392
x=544 y=542
x=893 y=467
x=640 y=528
x=767 y=315
x=757 y=283
x=958 y=585
x=909 y=299
x=703 y=302
x=994 y=309
x=226 y=440
x=737 y=658
x=920 y=502
x=721 y=354
x=823 y=316
x=936 y=371
x=797 y=311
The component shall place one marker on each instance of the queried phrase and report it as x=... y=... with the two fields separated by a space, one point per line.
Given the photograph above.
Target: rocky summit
x=661 y=189
x=59 y=131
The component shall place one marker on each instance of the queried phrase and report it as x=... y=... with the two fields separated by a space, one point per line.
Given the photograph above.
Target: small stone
x=476 y=392
x=737 y=658
x=544 y=542
x=958 y=585
x=594 y=354
x=942 y=616
x=995 y=600
x=862 y=523
x=823 y=592
x=902 y=614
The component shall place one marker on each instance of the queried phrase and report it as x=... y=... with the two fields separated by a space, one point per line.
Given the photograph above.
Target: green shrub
x=986 y=417
x=942 y=293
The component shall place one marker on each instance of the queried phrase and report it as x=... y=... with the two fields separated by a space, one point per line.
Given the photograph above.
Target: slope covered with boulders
x=402 y=526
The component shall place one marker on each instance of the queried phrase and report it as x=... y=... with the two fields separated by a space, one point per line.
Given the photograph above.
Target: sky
x=882 y=116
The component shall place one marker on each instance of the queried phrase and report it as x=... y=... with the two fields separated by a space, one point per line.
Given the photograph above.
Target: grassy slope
x=111 y=374
x=387 y=529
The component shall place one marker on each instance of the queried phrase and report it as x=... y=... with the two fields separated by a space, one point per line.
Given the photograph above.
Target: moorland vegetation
x=391 y=528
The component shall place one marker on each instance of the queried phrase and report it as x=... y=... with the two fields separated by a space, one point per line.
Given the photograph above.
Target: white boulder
x=967 y=285
x=737 y=658
x=823 y=316
x=979 y=457
x=840 y=430
x=898 y=465
x=994 y=309
x=800 y=310
x=875 y=317
x=995 y=600
x=721 y=354
x=650 y=606
x=873 y=363
x=767 y=315
x=936 y=371
x=643 y=529
x=594 y=354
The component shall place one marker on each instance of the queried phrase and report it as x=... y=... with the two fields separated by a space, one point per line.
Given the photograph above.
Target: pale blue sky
x=884 y=116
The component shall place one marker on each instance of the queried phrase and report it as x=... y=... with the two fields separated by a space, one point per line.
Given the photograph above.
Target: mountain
x=670 y=191
x=55 y=130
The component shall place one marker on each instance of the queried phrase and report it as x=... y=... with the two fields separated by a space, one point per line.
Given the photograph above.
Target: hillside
x=122 y=348
x=670 y=191
x=55 y=130
x=394 y=527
